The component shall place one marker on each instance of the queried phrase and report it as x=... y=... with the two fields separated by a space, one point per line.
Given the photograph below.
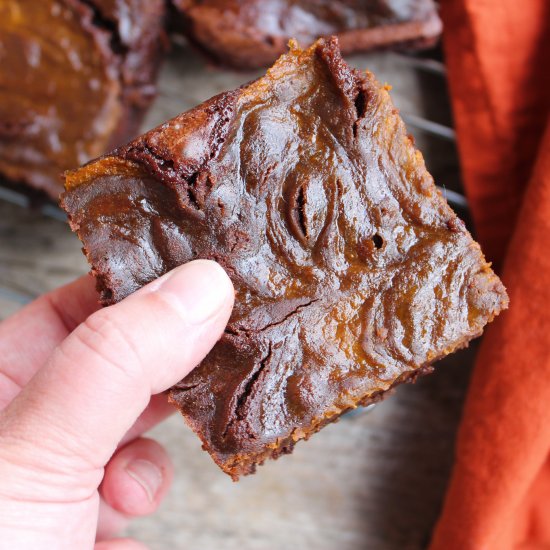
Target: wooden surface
x=375 y=480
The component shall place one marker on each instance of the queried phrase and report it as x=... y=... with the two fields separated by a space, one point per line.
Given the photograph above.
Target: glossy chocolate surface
x=75 y=77
x=253 y=33
x=351 y=271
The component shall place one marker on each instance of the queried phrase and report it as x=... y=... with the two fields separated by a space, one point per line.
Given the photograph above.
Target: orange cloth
x=498 y=57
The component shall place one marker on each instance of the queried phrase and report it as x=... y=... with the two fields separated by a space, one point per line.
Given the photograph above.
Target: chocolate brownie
x=75 y=78
x=352 y=273
x=253 y=33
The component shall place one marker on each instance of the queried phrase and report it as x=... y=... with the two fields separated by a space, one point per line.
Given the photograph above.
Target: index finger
x=28 y=338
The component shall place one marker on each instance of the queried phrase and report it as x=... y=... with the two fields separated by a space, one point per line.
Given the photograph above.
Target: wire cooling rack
x=432 y=128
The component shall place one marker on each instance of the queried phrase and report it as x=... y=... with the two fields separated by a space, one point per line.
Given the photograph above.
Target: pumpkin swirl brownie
x=352 y=273
x=252 y=33
x=76 y=76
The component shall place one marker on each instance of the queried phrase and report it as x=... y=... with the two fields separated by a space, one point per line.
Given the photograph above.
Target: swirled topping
x=351 y=271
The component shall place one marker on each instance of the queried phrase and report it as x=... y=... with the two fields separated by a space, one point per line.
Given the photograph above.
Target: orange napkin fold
x=498 y=58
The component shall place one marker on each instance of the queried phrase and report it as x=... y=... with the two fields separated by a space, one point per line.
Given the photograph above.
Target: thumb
x=69 y=419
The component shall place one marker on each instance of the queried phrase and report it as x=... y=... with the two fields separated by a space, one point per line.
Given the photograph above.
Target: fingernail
x=147 y=474
x=200 y=289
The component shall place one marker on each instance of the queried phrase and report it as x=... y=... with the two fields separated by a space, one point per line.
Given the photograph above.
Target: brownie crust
x=352 y=274
x=76 y=77
x=246 y=34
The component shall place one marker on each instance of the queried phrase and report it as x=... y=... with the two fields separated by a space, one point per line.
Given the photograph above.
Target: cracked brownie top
x=351 y=271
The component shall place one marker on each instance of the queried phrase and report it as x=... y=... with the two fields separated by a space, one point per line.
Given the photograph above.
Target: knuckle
x=104 y=336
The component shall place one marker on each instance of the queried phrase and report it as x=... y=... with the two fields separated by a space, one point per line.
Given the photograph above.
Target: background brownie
x=75 y=78
x=253 y=33
x=352 y=274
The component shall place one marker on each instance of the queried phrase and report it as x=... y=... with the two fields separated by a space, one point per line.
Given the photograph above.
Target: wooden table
x=375 y=480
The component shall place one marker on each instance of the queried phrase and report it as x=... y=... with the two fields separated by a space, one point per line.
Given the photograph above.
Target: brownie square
x=352 y=273
x=76 y=77
x=246 y=34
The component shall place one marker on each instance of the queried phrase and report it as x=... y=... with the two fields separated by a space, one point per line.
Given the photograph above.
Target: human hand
x=78 y=386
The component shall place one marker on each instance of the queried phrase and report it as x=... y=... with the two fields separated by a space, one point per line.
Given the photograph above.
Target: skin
x=78 y=388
